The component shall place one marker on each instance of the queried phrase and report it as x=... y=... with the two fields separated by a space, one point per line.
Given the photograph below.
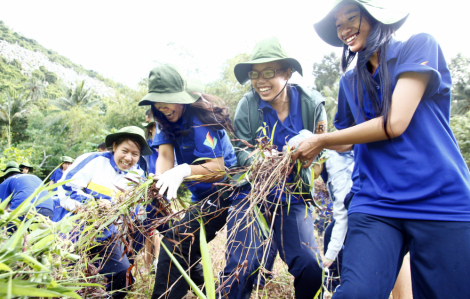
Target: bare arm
x=166 y=158
x=211 y=171
x=408 y=92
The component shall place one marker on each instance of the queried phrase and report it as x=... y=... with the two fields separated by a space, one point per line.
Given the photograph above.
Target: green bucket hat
x=167 y=84
x=378 y=9
x=131 y=130
x=66 y=159
x=11 y=164
x=267 y=50
x=26 y=164
x=10 y=170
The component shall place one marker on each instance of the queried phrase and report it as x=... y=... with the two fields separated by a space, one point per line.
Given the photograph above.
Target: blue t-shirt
x=420 y=174
x=202 y=142
x=283 y=132
x=151 y=159
x=56 y=176
x=21 y=186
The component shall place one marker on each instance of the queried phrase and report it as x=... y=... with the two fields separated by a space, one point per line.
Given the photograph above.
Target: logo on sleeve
x=424 y=63
x=210 y=142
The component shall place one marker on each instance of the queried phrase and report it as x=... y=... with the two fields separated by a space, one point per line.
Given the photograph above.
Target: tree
x=460 y=125
x=459 y=69
x=35 y=88
x=328 y=72
x=78 y=96
x=227 y=87
x=13 y=106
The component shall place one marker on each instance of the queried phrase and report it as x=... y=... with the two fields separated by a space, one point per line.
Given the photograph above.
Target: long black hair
x=377 y=41
x=205 y=109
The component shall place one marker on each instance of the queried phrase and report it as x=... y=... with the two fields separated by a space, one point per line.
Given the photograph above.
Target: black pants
x=114 y=267
x=187 y=252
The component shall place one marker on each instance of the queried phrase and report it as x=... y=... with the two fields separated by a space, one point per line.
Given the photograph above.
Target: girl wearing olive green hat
x=395 y=106
x=293 y=110
x=192 y=128
x=100 y=176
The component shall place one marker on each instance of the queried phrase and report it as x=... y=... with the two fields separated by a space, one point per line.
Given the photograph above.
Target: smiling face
x=172 y=112
x=351 y=29
x=126 y=154
x=269 y=88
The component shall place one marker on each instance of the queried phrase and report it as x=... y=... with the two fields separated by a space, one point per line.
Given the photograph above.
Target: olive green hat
x=66 y=159
x=11 y=164
x=131 y=130
x=10 y=170
x=378 y=9
x=167 y=84
x=267 y=50
x=26 y=164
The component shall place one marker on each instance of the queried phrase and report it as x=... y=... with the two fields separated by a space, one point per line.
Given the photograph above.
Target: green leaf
x=262 y=221
x=272 y=133
x=206 y=263
x=11 y=288
x=4 y=267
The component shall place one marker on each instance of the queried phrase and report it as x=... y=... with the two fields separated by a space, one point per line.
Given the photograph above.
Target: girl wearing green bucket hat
x=290 y=110
x=395 y=107
x=192 y=128
x=99 y=177
x=25 y=167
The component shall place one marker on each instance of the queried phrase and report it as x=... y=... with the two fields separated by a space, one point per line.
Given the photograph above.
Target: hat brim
x=146 y=151
x=241 y=70
x=10 y=170
x=22 y=166
x=170 y=98
x=326 y=27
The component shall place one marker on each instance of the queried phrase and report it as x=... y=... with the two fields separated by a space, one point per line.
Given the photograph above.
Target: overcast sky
x=123 y=40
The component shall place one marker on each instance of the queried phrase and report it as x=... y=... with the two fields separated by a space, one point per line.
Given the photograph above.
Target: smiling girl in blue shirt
x=192 y=128
x=289 y=108
x=415 y=195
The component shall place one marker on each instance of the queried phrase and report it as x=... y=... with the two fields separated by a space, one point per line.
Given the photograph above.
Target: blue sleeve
x=54 y=176
x=420 y=54
x=4 y=190
x=160 y=138
x=344 y=117
x=208 y=143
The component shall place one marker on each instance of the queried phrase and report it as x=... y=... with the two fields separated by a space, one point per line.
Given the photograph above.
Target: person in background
x=102 y=147
x=26 y=168
x=57 y=174
x=149 y=116
x=20 y=186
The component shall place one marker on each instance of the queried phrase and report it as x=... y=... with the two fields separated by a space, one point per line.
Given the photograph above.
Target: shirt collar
x=110 y=156
x=392 y=51
x=293 y=101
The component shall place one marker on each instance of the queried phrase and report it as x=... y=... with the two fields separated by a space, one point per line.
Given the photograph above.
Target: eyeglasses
x=268 y=74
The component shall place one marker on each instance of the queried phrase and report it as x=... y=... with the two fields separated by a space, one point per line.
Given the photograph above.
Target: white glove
x=297 y=139
x=172 y=179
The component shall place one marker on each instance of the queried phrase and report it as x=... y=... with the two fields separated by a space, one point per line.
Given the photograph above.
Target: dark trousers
x=294 y=237
x=187 y=250
x=114 y=266
x=335 y=268
x=145 y=230
x=374 y=251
